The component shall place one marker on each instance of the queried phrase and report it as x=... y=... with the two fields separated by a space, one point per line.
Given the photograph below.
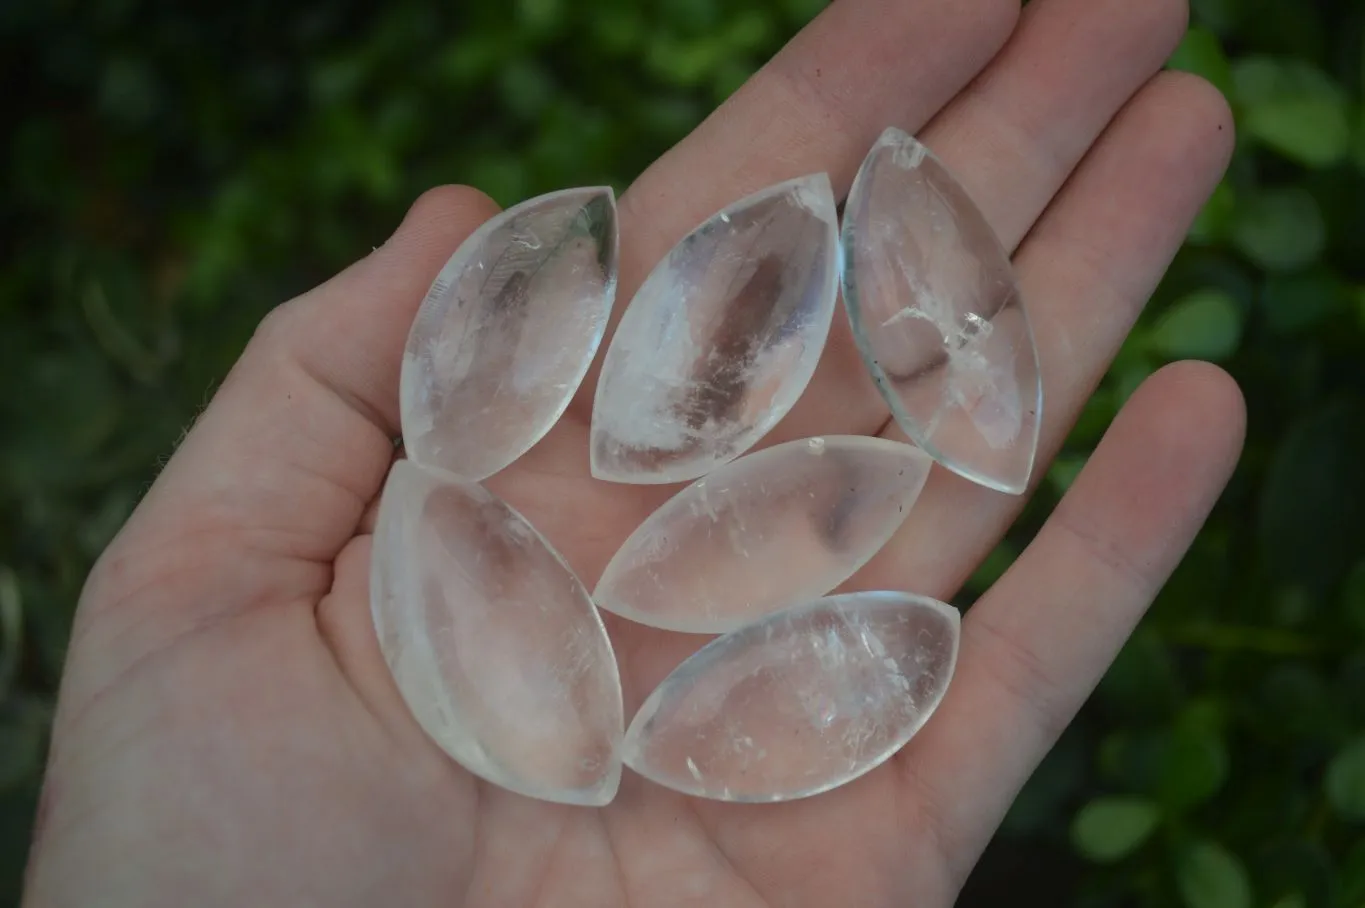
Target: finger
x=1085 y=271
x=1037 y=643
x=817 y=106
x=276 y=473
x=1018 y=131
x=1012 y=138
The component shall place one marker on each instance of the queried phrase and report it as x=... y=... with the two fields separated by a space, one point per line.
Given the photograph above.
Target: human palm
x=228 y=734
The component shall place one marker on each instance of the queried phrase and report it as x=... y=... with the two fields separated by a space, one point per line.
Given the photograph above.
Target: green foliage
x=173 y=170
x=1107 y=829
x=1210 y=876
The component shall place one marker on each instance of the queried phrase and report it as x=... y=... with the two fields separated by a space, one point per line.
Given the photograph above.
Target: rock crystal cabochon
x=936 y=313
x=507 y=332
x=721 y=339
x=800 y=702
x=494 y=643
x=776 y=528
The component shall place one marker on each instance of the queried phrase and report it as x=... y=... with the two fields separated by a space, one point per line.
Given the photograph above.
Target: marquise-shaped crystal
x=799 y=703
x=936 y=313
x=776 y=528
x=721 y=338
x=507 y=332
x=494 y=643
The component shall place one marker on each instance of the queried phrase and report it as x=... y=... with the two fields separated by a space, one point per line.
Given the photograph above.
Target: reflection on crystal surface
x=936 y=313
x=721 y=339
x=798 y=703
x=494 y=643
x=507 y=332
x=773 y=529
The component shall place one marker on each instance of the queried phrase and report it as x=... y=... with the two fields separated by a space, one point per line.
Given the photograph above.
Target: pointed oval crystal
x=493 y=642
x=799 y=703
x=507 y=332
x=937 y=316
x=721 y=339
x=773 y=529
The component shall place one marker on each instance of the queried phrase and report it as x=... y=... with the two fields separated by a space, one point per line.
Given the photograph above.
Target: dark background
x=170 y=173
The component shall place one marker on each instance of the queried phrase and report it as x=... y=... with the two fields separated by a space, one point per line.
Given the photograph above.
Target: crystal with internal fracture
x=507 y=332
x=721 y=339
x=773 y=529
x=494 y=643
x=801 y=702
x=936 y=313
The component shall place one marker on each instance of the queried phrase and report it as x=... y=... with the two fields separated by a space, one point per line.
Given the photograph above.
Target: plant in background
x=173 y=174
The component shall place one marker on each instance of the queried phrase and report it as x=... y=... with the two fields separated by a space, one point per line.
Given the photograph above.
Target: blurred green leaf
x=1194 y=766
x=1294 y=108
x=1345 y=781
x=1109 y=829
x=1309 y=527
x=1204 y=325
x=1210 y=876
x=1202 y=53
x=1296 y=303
x=1280 y=229
x=1214 y=221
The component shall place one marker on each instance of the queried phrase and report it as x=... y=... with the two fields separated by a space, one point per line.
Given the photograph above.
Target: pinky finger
x=1038 y=642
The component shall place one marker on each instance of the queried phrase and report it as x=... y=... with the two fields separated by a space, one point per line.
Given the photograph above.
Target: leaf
x=1296 y=303
x=1346 y=781
x=1206 y=324
x=1201 y=53
x=1210 y=876
x=1194 y=766
x=1280 y=229
x=1215 y=219
x=1313 y=493
x=1108 y=829
x=1293 y=108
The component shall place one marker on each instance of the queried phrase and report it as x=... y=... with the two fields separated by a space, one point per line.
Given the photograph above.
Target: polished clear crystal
x=799 y=703
x=494 y=643
x=721 y=339
x=937 y=315
x=507 y=332
x=773 y=529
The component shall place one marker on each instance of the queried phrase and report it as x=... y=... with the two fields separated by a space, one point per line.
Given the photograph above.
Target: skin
x=227 y=733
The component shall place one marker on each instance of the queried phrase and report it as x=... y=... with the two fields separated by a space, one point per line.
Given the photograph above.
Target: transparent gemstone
x=799 y=703
x=494 y=643
x=721 y=338
x=507 y=332
x=936 y=312
x=773 y=529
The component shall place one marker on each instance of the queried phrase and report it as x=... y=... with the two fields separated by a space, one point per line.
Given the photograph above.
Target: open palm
x=228 y=733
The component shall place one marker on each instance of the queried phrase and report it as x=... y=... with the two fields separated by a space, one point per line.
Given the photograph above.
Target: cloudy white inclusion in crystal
x=799 y=703
x=493 y=642
x=721 y=339
x=936 y=313
x=508 y=331
x=773 y=529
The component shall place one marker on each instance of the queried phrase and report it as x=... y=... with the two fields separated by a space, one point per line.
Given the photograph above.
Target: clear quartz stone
x=493 y=642
x=507 y=332
x=775 y=528
x=801 y=702
x=936 y=313
x=721 y=339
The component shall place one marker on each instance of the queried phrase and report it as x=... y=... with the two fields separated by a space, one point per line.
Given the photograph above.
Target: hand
x=228 y=734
